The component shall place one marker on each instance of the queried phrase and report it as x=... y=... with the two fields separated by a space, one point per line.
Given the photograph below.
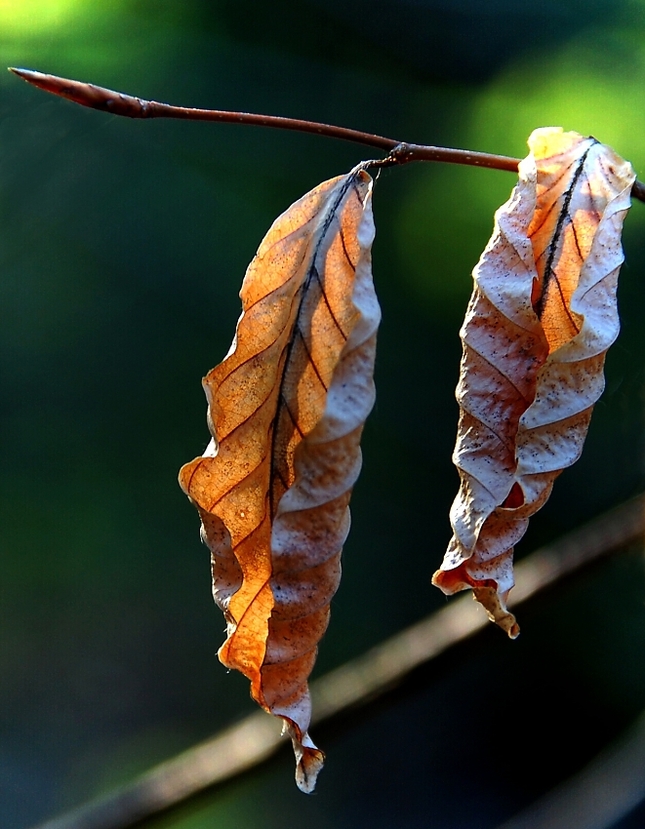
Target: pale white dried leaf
x=542 y=315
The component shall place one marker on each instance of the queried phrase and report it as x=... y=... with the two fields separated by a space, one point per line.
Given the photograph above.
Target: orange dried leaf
x=286 y=412
x=540 y=320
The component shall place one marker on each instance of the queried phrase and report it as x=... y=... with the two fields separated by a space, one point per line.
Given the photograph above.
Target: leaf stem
x=399 y=152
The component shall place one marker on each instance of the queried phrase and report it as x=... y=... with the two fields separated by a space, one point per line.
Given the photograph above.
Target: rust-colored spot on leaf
x=515 y=497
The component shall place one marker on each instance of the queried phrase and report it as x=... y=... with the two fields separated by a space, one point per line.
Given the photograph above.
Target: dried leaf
x=541 y=317
x=286 y=411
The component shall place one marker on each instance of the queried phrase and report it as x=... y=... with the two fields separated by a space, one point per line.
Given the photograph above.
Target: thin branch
x=256 y=738
x=638 y=190
x=118 y=103
x=399 y=152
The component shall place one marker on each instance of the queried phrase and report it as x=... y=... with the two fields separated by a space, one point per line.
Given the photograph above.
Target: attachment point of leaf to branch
x=402 y=153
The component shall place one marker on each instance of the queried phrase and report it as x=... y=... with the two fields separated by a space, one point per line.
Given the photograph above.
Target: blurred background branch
x=605 y=791
x=358 y=683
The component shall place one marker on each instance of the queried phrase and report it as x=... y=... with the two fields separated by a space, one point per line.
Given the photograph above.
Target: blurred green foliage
x=122 y=248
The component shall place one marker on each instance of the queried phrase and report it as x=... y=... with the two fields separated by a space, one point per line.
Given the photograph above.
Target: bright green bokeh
x=593 y=85
x=32 y=17
x=78 y=37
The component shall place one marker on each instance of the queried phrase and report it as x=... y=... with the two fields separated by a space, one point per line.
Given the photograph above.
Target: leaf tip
x=309 y=758
x=495 y=606
x=487 y=594
x=308 y=768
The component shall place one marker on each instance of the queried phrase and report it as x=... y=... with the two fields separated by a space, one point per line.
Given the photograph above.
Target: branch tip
x=399 y=152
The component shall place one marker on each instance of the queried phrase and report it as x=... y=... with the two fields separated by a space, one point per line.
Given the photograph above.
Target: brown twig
x=256 y=738
x=399 y=152
x=638 y=190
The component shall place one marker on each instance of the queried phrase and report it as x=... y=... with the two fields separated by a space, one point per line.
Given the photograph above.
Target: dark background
x=122 y=249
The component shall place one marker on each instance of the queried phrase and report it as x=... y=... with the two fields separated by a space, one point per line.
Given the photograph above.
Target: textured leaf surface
x=286 y=412
x=541 y=317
